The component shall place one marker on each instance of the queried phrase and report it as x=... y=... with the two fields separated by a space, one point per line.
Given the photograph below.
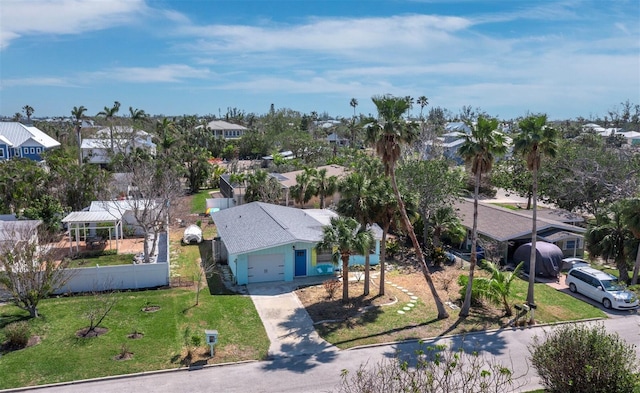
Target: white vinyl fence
x=121 y=277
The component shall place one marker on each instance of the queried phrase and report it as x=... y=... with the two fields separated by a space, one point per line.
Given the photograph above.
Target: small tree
x=496 y=288
x=98 y=308
x=28 y=268
x=585 y=359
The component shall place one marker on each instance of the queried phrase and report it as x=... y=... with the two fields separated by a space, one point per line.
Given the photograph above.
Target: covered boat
x=192 y=234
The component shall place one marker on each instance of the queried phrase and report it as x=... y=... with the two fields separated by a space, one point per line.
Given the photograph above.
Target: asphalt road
x=321 y=372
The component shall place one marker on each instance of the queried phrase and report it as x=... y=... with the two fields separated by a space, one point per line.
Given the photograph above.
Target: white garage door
x=266 y=268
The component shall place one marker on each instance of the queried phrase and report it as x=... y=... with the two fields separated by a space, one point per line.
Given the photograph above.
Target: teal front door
x=301 y=263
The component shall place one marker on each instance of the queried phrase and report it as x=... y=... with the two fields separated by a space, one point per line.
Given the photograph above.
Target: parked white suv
x=601 y=287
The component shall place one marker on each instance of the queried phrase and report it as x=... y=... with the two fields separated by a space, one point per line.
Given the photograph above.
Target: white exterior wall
x=120 y=277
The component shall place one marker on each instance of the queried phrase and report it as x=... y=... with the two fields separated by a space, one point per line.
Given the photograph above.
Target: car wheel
x=606 y=303
x=572 y=288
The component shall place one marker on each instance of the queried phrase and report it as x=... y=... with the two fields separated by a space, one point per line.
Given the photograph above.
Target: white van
x=601 y=287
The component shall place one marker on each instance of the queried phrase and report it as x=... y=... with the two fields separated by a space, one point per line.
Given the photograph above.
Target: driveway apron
x=288 y=325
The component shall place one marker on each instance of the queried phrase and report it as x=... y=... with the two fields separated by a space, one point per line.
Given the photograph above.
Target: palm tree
x=607 y=237
x=445 y=222
x=354 y=104
x=479 y=150
x=344 y=236
x=304 y=188
x=631 y=217
x=78 y=114
x=534 y=140
x=109 y=114
x=166 y=133
x=497 y=288
x=356 y=202
x=28 y=110
x=422 y=101
x=390 y=132
x=324 y=185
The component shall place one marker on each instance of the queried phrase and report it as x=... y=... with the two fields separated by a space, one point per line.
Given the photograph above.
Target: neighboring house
x=264 y=242
x=511 y=229
x=12 y=229
x=449 y=143
x=26 y=141
x=122 y=210
x=632 y=137
x=288 y=180
x=97 y=150
x=335 y=139
x=226 y=130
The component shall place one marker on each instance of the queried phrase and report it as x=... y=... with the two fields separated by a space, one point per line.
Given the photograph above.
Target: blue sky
x=564 y=58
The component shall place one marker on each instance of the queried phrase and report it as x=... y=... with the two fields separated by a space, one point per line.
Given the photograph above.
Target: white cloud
x=161 y=74
x=20 y=18
x=37 y=81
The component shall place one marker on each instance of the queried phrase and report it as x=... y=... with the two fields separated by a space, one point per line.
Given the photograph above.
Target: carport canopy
x=81 y=220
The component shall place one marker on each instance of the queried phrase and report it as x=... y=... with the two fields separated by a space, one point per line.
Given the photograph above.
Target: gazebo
x=80 y=222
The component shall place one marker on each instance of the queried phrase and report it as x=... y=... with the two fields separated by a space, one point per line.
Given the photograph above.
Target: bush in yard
x=436 y=369
x=17 y=334
x=331 y=286
x=584 y=359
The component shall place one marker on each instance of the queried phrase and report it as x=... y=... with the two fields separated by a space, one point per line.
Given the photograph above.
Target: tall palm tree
x=109 y=113
x=166 y=133
x=607 y=238
x=28 y=110
x=390 y=131
x=631 y=217
x=354 y=104
x=422 y=101
x=78 y=114
x=346 y=236
x=534 y=140
x=479 y=150
x=303 y=190
x=356 y=202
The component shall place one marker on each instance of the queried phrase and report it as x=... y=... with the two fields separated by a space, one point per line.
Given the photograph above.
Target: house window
x=38 y=150
x=25 y=150
x=1 y=153
x=33 y=150
x=571 y=244
x=324 y=256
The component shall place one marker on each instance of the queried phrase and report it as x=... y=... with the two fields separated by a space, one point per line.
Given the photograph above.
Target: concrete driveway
x=288 y=325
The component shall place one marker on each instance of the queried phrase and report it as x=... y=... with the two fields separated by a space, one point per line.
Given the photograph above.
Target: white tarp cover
x=192 y=234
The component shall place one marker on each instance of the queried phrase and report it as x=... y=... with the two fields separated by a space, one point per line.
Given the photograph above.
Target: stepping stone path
x=413 y=299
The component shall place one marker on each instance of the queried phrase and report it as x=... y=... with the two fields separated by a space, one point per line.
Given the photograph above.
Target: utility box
x=211 y=338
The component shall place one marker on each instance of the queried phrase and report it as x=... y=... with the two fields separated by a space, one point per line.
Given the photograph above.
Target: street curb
x=124 y=376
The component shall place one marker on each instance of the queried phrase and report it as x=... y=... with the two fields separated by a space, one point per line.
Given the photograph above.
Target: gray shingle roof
x=257 y=225
x=503 y=224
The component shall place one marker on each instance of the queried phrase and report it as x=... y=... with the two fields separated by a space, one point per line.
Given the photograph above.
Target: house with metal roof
x=263 y=242
x=25 y=141
x=101 y=148
x=510 y=229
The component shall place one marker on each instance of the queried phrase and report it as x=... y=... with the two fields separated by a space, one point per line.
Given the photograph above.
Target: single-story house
x=26 y=141
x=512 y=228
x=264 y=242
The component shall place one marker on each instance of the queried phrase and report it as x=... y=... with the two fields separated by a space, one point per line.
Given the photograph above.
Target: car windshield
x=611 y=285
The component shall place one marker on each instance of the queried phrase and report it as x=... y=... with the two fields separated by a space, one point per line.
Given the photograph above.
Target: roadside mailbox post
x=211 y=339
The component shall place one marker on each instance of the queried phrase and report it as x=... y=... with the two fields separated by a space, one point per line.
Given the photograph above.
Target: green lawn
x=198 y=202
x=102 y=260
x=61 y=356
x=384 y=324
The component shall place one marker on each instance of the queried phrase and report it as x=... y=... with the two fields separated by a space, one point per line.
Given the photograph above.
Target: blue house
x=264 y=242
x=25 y=141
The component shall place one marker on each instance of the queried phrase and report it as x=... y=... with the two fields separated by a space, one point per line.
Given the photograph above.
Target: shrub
x=584 y=359
x=437 y=369
x=17 y=334
x=331 y=286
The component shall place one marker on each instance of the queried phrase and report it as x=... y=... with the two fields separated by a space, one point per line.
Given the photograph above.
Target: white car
x=601 y=287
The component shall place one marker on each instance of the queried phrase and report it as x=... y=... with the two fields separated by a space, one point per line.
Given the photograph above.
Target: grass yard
x=102 y=260
x=61 y=356
x=199 y=201
x=384 y=323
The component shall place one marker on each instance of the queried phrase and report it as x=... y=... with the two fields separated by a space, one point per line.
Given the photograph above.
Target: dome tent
x=548 y=258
